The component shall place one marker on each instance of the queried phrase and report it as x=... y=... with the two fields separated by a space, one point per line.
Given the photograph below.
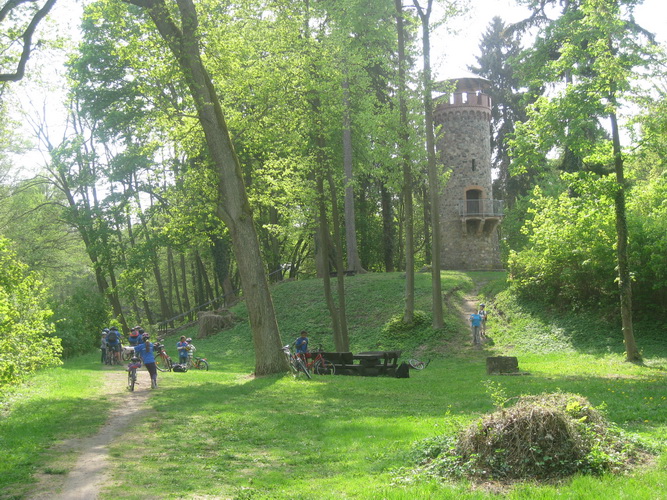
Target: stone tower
x=469 y=216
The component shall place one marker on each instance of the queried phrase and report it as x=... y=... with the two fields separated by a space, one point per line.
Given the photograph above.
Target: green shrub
x=25 y=325
x=79 y=320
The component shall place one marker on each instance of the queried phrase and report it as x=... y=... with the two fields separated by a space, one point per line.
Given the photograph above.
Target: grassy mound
x=545 y=437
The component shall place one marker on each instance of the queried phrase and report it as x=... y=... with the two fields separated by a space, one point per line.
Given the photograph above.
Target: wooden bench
x=365 y=363
x=343 y=361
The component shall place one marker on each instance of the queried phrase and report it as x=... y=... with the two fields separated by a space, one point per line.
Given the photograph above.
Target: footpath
x=90 y=456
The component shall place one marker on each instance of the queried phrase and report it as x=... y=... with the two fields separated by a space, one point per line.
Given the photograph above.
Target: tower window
x=473 y=165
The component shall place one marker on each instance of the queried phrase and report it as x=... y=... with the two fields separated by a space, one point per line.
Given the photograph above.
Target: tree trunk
x=436 y=286
x=340 y=276
x=184 y=283
x=408 y=315
x=624 y=280
x=233 y=208
x=323 y=263
x=171 y=265
x=387 y=229
x=353 y=261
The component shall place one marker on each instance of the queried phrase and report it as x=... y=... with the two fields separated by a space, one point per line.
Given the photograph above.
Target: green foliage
x=79 y=320
x=647 y=222
x=26 y=344
x=337 y=437
x=569 y=255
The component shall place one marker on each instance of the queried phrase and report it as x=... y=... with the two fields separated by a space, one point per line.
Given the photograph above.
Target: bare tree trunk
x=387 y=229
x=184 y=282
x=436 y=288
x=323 y=263
x=408 y=315
x=624 y=281
x=353 y=260
x=206 y=288
x=174 y=279
x=233 y=208
x=340 y=276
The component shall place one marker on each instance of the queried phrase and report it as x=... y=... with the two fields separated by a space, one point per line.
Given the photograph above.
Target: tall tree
x=599 y=50
x=498 y=63
x=434 y=191
x=404 y=138
x=233 y=208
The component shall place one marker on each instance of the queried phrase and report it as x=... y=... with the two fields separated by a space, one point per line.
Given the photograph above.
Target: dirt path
x=86 y=459
x=471 y=302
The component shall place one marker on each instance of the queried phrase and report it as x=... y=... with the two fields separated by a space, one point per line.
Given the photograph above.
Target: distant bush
x=542 y=437
x=80 y=318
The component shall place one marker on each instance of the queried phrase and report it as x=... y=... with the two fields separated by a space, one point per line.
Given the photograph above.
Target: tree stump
x=497 y=365
x=212 y=322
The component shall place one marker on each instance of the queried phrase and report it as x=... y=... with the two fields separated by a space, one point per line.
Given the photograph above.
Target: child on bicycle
x=145 y=351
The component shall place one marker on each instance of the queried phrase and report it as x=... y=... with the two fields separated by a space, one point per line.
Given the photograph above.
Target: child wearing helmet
x=190 y=350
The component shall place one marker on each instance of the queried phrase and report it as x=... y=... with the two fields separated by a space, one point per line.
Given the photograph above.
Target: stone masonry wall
x=465 y=151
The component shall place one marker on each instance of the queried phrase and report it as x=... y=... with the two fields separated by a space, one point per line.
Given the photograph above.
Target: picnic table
x=369 y=363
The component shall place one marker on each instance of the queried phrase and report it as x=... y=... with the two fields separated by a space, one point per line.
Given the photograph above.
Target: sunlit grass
x=224 y=434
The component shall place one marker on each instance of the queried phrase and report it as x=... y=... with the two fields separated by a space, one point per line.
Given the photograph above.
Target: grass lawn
x=224 y=434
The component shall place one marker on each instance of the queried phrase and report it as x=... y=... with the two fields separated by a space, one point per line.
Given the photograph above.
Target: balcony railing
x=482 y=208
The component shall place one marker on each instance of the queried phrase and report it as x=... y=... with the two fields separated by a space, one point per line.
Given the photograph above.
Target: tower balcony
x=480 y=216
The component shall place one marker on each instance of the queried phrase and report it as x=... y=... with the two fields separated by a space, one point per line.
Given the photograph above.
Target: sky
x=453 y=53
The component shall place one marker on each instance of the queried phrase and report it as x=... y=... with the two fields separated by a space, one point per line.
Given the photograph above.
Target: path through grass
x=224 y=434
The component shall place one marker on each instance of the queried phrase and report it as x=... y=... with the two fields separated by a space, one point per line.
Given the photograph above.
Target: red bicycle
x=316 y=363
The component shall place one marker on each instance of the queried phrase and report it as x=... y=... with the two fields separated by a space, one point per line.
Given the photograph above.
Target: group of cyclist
x=139 y=340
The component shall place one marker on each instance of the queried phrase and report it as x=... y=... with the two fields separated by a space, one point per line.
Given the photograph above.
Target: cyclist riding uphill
x=145 y=351
x=302 y=343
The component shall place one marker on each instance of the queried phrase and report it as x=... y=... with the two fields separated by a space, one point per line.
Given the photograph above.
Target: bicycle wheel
x=324 y=367
x=292 y=364
x=161 y=364
x=131 y=379
x=416 y=364
x=301 y=366
x=127 y=355
x=201 y=364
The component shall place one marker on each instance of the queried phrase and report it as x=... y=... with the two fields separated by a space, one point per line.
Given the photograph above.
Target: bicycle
x=295 y=363
x=318 y=364
x=132 y=368
x=162 y=360
x=113 y=355
x=197 y=363
x=127 y=352
x=417 y=364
